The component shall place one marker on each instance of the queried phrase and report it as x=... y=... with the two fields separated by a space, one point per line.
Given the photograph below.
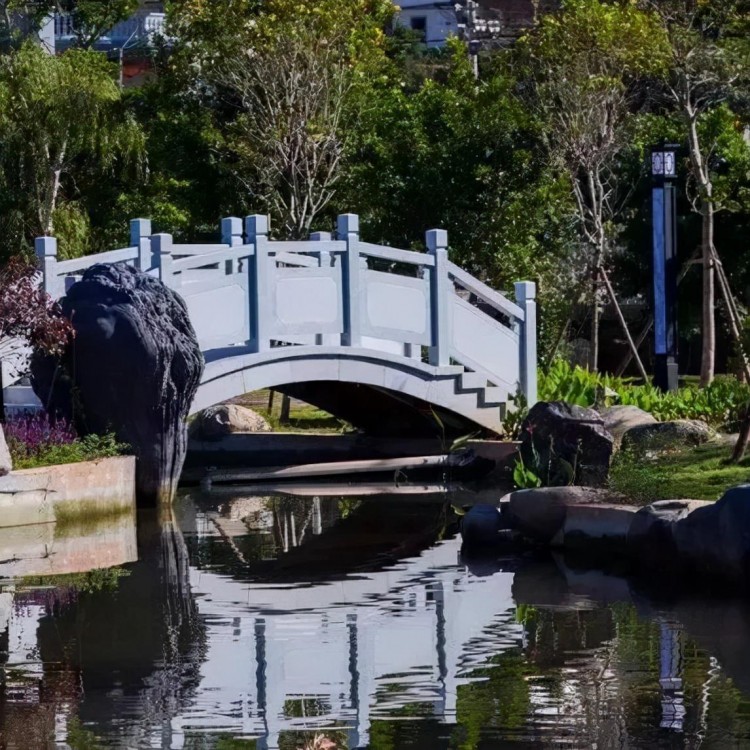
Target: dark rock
x=539 y=514
x=481 y=524
x=6 y=464
x=566 y=444
x=619 y=419
x=665 y=435
x=219 y=421
x=650 y=541
x=714 y=539
x=133 y=368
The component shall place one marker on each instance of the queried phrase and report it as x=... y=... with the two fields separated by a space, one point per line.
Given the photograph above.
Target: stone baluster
x=440 y=297
x=261 y=278
x=325 y=261
x=161 y=250
x=46 y=252
x=526 y=300
x=140 y=237
x=347 y=229
x=231 y=234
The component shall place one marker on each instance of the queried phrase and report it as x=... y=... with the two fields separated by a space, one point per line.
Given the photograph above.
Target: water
x=310 y=622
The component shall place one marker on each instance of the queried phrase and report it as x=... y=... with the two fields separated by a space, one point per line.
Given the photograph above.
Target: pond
x=326 y=622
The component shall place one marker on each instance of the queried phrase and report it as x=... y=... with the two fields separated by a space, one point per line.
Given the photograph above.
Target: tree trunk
x=595 y=316
x=708 y=353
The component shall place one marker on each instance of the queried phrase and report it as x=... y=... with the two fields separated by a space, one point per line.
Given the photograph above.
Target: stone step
x=472 y=381
x=493 y=396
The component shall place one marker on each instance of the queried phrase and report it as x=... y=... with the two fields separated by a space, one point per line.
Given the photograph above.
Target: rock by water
x=566 y=444
x=219 y=421
x=133 y=369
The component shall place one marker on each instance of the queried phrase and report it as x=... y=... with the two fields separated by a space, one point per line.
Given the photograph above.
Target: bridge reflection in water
x=223 y=627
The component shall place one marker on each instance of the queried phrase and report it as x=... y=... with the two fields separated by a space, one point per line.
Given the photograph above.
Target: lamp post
x=664 y=232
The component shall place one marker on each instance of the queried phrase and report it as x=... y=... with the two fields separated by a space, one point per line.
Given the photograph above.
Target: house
x=487 y=21
x=135 y=31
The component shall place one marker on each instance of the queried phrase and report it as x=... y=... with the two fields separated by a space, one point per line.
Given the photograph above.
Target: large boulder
x=219 y=421
x=650 y=538
x=662 y=436
x=566 y=444
x=714 y=539
x=133 y=368
x=619 y=419
x=540 y=514
x=6 y=464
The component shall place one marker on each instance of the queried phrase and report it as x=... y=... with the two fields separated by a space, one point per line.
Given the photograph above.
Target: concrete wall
x=71 y=493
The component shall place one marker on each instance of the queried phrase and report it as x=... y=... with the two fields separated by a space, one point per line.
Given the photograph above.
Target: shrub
x=36 y=440
x=718 y=404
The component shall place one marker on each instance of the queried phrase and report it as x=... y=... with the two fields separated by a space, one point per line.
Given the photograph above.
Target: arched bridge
x=336 y=309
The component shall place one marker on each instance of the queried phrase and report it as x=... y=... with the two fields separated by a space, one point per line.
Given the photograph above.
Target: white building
x=437 y=20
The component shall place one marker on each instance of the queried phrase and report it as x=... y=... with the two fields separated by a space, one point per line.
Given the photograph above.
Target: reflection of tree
x=147 y=640
x=500 y=699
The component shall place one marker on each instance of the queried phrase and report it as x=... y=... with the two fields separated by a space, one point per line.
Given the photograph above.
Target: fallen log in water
x=464 y=461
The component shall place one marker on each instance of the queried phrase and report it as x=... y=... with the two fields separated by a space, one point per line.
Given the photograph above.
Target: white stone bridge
x=336 y=309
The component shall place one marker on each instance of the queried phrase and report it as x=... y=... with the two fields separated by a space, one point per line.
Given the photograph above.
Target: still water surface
x=240 y=621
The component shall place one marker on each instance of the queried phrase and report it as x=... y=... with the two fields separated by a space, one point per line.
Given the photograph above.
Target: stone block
x=665 y=435
x=6 y=464
x=539 y=514
x=619 y=419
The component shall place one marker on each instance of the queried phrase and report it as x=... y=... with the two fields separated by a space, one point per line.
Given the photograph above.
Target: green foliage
x=89 y=448
x=525 y=477
x=718 y=404
x=49 y=148
x=100 y=580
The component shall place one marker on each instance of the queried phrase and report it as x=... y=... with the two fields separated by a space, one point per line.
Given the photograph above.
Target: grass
x=89 y=448
x=302 y=417
x=696 y=473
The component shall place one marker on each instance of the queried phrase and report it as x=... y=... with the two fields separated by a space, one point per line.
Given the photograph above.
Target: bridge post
x=325 y=261
x=261 y=278
x=161 y=249
x=347 y=229
x=437 y=246
x=526 y=299
x=46 y=251
x=231 y=234
x=140 y=237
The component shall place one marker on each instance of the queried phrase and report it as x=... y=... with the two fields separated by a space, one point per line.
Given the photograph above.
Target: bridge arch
x=445 y=387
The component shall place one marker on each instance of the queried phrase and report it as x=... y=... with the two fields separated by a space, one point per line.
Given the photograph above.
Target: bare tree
x=289 y=136
x=586 y=62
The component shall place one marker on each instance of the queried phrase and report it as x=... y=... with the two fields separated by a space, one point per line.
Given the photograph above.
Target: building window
x=419 y=23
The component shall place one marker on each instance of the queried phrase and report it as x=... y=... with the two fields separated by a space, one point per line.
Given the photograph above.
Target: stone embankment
x=687 y=537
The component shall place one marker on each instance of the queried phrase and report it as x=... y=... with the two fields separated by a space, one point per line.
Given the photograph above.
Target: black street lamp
x=664 y=231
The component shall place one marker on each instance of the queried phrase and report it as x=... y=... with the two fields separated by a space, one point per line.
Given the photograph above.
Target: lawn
x=302 y=417
x=697 y=473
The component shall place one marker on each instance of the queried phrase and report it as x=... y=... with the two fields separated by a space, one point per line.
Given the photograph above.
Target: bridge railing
x=332 y=290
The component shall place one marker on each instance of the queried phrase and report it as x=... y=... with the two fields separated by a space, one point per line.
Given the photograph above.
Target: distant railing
x=252 y=291
x=139 y=27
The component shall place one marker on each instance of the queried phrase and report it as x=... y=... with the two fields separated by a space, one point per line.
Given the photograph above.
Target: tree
x=467 y=156
x=709 y=44
x=59 y=116
x=585 y=65
x=28 y=316
x=293 y=74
